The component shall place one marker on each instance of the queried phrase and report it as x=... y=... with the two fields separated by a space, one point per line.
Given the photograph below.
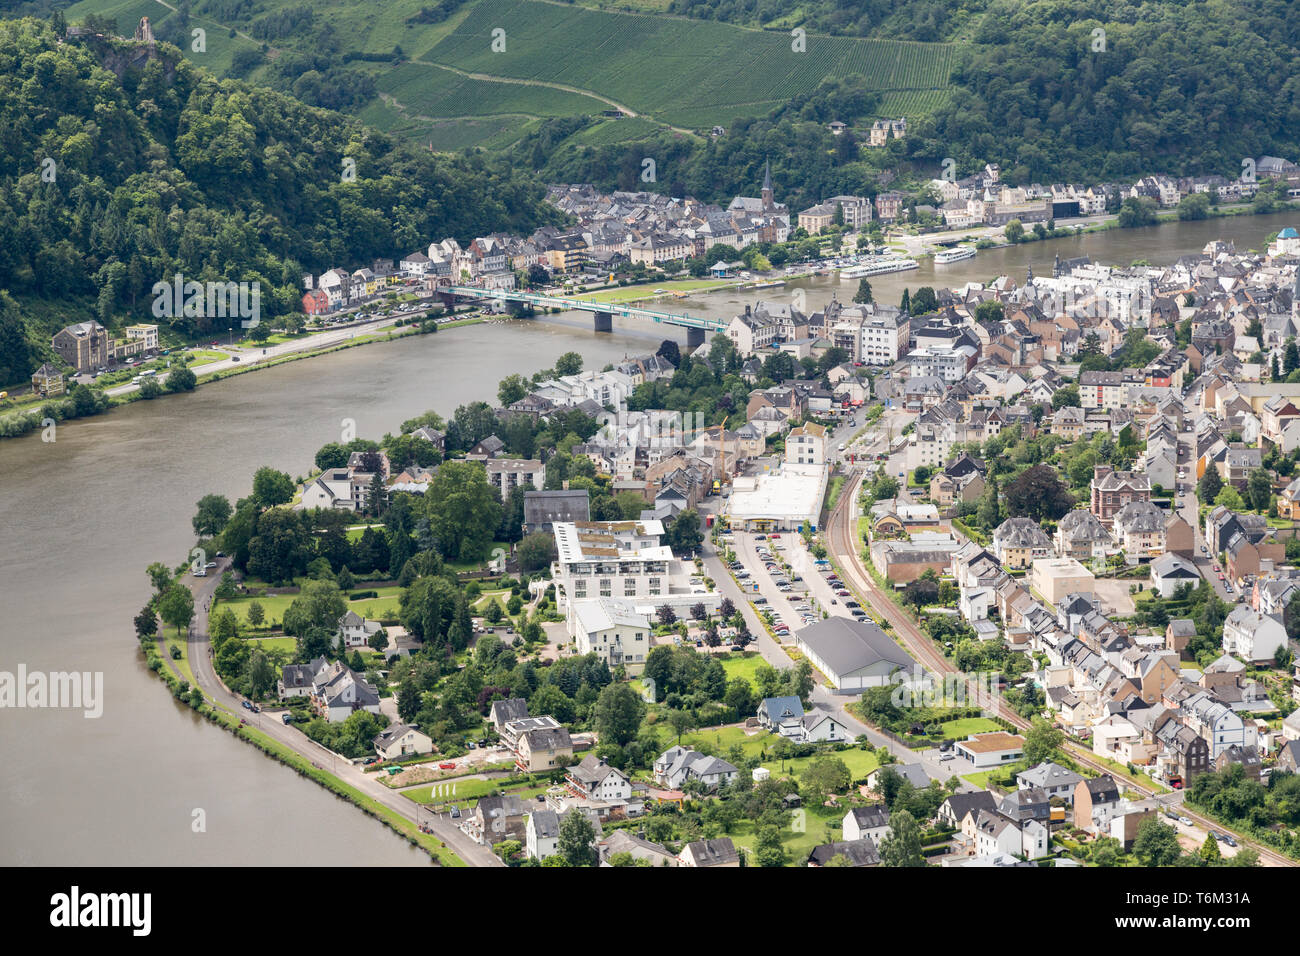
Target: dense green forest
x=120 y=169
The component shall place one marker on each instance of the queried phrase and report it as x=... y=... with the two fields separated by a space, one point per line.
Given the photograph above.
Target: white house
x=401 y=739
x=612 y=629
x=1252 y=636
x=867 y=822
x=1170 y=571
x=354 y=630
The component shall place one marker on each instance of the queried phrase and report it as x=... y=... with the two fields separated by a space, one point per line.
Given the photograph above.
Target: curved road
x=200 y=657
x=841 y=535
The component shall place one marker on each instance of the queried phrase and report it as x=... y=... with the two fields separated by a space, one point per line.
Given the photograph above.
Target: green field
x=274 y=605
x=742 y=665
x=683 y=72
x=562 y=59
x=961 y=729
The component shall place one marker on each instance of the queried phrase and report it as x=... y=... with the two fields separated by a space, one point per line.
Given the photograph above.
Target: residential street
x=200 y=657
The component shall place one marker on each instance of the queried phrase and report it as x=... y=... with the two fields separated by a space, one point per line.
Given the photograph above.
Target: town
x=1002 y=576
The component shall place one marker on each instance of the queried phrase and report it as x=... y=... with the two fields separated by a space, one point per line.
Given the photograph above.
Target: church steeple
x=768 y=198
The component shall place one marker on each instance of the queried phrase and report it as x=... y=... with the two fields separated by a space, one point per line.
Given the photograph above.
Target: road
x=200 y=658
x=842 y=541
x=244 y=356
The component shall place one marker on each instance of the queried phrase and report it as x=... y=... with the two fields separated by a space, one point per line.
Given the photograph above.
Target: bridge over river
x=603 y=312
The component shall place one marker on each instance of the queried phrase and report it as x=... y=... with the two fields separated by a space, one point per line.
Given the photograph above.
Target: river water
x=81 y=517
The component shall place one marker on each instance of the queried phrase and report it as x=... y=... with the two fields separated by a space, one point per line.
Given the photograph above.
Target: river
x=82 y=516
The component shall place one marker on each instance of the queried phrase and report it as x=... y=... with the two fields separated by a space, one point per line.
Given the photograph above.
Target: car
x=1228 y=839
x=246 y=705
x=210 y=564
x=842 y=592
x=945 y=756
x=774 y=535
x=255 y=709
x=446 y=766
x=1228 y=588
x=471 y=745
x=234 y=358
x=455 y=813
x=1185 y=821
x=242 y=721
x=221 y=554
x=1215 y=566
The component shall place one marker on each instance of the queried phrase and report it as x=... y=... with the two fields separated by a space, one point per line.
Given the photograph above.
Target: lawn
x=468 y=790
x=963 y=728
x=820 y=825
x=274 y=605
x=742 y=664
x=859 y=762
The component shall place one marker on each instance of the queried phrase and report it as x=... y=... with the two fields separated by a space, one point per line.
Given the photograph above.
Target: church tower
x=768 y=199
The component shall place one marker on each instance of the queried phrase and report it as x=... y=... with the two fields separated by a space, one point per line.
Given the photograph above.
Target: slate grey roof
x=847 y=646
x=858 y=852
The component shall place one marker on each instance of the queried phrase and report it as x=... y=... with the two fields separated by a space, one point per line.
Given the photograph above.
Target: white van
x=841 y=446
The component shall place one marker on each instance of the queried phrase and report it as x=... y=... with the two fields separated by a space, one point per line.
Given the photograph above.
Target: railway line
x=842 y=542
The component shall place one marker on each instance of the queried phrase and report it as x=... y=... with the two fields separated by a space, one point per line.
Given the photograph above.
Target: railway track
x=842 y=541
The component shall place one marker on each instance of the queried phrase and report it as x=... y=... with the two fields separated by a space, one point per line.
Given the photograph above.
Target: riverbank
x=181 y=689
x=34 y=410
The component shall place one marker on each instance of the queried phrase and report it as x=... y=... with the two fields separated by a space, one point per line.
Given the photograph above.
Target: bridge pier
x=604 y=321
x=694 y=337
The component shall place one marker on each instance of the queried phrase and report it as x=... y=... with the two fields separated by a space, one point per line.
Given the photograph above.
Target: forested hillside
x=111 y=179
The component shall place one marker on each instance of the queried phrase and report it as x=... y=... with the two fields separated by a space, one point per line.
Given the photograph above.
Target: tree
x=570 y=363
x=666 y=615
x=319 y=605
x=1043 y=741
x=176 y=606
x=259 y=673
x=925 y=301
x=768 y=850
x=1290 y=357
x=463 y=510
x=684 y=534
x=1209 y=851
x=181 y=379
x=1135 y=212
x=987 y=312
x=577 y=835
x=146 y=622
x=536 y=551
x=681 y=721
x=863 y=295
x=271 y=487
x=670 y=350
x=160 y=576
x=1156 y=843
x=511 y=389
x=1039 y=494
x=1065 y=397
x=1259 y=490
x=618 y=715
x=1208 y=488
x=825 y=775
x=989 y=512
x=256 y=614
x=213 y=511
x=1014 y=231
x=902 y=847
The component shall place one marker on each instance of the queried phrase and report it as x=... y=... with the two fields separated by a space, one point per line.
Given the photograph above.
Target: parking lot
x=779 y=574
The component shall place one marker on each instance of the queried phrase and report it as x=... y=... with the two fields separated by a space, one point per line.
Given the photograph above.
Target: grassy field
x=274 y=605
x=469 y=790
x=859 y=762
x=446 y=87
x=642 y=293
x=742 y=665
x=687 y=73
x=961 y=729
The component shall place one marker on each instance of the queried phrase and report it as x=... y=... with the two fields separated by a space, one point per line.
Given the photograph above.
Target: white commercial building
x=780 y=501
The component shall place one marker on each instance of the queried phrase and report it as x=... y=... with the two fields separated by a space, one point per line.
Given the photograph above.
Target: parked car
x=286 y=718
x=246 y=705
x=1185 y=821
